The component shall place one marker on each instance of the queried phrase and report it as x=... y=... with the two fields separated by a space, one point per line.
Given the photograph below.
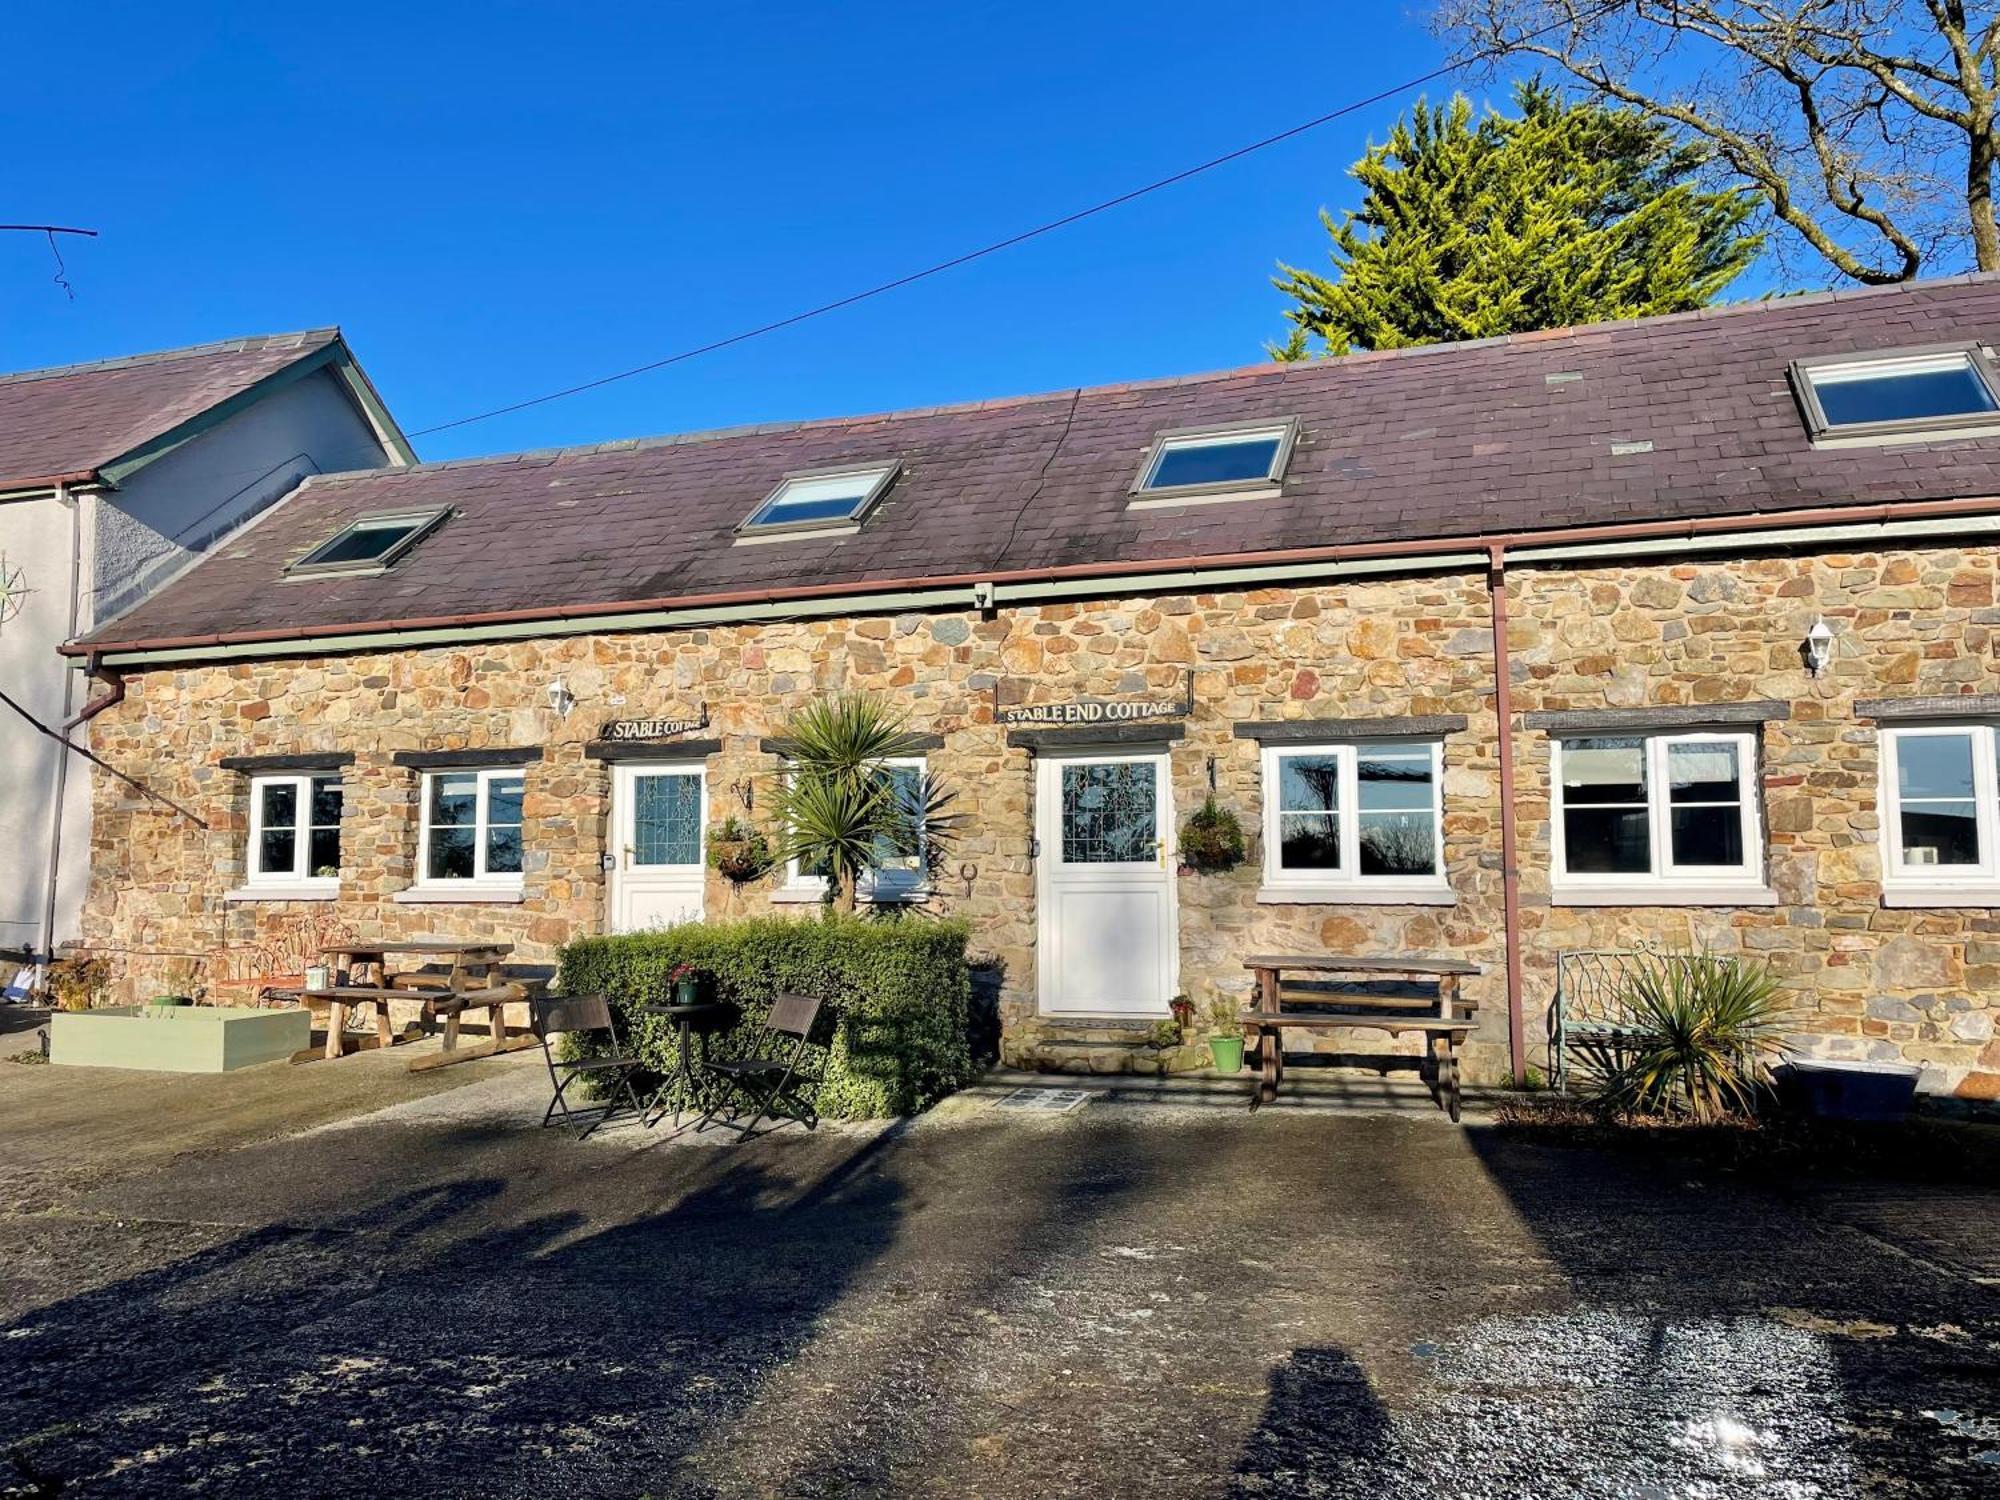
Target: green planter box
x=180 y=1039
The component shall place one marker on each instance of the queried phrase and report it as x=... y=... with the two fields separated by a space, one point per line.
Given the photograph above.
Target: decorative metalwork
x=14 y=589
x=1110 y=813
x=666 y=820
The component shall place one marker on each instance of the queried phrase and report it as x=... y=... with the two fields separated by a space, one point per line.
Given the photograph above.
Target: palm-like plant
x=840 y=810
x=1705 y=1029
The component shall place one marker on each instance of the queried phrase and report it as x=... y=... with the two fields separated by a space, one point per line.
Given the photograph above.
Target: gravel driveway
x=423 y=1295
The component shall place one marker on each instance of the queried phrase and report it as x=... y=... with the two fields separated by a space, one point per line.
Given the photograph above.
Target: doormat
x=1044 y=1101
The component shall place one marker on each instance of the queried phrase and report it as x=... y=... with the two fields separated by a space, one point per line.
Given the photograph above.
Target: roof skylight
x=370 y=544
x=1932 y=390
x=1216 y=462
x=824 y=500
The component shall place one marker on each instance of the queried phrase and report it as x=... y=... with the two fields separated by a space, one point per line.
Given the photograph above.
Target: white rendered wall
x=134 y=539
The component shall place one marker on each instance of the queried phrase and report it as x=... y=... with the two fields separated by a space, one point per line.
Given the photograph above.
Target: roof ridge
x=1272 y=369
x=241 y=344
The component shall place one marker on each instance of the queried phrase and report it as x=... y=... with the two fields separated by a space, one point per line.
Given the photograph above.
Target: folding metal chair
x=772 y=1077
x=552 y=1015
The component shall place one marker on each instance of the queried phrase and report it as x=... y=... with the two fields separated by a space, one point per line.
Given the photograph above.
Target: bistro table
x=700 y=1018
x=473 y=982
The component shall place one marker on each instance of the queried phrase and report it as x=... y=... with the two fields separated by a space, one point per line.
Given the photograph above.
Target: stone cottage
x=1680 y=630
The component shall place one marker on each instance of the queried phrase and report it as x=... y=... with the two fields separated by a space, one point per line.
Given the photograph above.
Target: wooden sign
x=1090 y=711
x=653 y=729
x=1084 y=711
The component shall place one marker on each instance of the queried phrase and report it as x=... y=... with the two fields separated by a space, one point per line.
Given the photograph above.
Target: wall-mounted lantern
x=561 y=699
x=1817 y=648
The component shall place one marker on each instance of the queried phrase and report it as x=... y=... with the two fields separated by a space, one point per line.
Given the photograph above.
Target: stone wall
x=1874 y=982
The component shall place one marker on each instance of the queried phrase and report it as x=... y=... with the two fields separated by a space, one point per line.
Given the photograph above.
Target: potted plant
x=738 y=852
x=1211 y=839
x=78 y=981
x=1183 y=1009
x=1225 y=1043
x=685 y=983
x=180 y=984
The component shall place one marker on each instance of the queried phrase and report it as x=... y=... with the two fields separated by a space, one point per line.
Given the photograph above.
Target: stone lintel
x=1123 y=735
x=1932 y=706
x=1312 y=731
x=449 y=760
x=613 y=750
x=774 y=744
x=324 y=760
x=1673 y=716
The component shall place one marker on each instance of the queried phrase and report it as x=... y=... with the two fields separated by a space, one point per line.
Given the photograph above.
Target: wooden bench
x=450 y=1005
x=1442 y=1016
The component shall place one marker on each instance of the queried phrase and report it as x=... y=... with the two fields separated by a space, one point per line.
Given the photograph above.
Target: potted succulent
x=738 y=852
x=1225 y=1044
x=1211 y=839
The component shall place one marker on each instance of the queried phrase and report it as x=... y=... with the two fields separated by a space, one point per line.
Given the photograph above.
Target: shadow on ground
x=429 y=1344
x=1131 y=1300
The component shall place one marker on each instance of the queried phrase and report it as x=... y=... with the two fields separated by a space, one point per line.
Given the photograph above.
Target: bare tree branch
x=1871 y=128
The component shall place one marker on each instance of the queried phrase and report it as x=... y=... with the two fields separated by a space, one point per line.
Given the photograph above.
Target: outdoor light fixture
x=561 y=699
x=1817 y=647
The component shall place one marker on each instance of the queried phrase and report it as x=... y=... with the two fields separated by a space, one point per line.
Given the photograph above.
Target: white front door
x=1105 y=927
x=658 y=812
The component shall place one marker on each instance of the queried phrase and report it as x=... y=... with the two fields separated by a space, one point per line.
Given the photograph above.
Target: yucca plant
x=838 y=807
x=1705 y=1029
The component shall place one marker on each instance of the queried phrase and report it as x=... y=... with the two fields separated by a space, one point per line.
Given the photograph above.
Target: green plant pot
x=164 y=1000
x=1227 y=1052
x=687 y=991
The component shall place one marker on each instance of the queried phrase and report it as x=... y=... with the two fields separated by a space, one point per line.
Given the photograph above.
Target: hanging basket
x=1211 y=839
x=737 y=853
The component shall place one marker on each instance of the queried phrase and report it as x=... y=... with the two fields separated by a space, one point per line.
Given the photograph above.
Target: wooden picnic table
x=472 y=983
x=1444 y=1020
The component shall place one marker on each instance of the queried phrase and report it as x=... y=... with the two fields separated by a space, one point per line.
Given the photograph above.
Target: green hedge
x=897 y=993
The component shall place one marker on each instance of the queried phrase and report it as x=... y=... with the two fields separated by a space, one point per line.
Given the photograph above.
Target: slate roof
x=1524 y=433
x=69 y=422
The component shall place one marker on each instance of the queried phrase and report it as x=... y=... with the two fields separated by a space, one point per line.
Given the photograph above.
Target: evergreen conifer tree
x=1569 y=213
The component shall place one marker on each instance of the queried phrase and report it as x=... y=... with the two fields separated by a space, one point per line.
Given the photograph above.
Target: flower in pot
x=738 y=852
x=1183 y=1009
x=685 y=982
x=1211 y=839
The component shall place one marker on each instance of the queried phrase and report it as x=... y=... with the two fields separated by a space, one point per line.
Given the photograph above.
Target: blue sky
x=498 y=199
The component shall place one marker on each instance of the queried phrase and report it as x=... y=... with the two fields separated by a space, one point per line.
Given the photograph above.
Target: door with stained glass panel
x=658 y=812
x=1105 y=924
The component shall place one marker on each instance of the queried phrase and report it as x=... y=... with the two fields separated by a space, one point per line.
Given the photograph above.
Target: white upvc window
x=1354 y=821
x=1658 y=813
x=894 y=877
x=295 y=830
x=471 y=828
x=1941 y=814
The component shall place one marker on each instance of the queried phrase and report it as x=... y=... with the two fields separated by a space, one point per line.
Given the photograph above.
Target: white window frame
x=879 y=476
x=880 y=886
x=1348 y=884
x=506 y=880
x=299 y=876
x=1942 y=885
x=1284 y=429
x=1667 y=883
x=1803 y=373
